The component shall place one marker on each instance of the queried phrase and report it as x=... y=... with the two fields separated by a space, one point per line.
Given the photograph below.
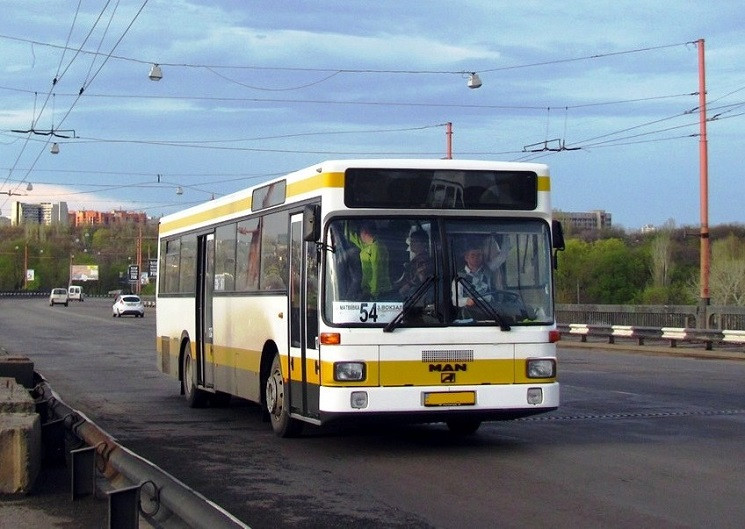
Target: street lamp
x=474 y=81
x=156 y=74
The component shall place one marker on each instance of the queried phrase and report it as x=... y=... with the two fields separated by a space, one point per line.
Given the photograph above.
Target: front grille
x=448 y=355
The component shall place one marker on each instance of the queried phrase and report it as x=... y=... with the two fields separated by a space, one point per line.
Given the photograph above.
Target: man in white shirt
x=478 y=275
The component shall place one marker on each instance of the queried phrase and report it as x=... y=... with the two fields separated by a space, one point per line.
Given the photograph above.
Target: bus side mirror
x=557 y=241
x=312 y=223
x=557 y=235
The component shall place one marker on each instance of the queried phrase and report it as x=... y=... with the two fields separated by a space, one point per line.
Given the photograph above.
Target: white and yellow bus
x=343 y=292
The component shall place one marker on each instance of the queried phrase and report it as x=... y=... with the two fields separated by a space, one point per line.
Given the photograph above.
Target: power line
x=587 y=57
x=356 y=70
x=362 y=103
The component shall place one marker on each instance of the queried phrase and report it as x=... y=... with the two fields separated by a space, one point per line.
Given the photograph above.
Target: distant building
x=580 y=221
x=106 y=218
x=648 y=228
x=46 y=213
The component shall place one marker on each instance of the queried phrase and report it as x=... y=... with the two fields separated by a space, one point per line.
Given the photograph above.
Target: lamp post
x=16 y=283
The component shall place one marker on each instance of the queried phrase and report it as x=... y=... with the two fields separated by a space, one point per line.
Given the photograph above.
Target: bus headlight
x=541 y=368
x=349 y=371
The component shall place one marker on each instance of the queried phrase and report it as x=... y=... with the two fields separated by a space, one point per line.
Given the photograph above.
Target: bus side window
x=247 y=259
x=274 y=270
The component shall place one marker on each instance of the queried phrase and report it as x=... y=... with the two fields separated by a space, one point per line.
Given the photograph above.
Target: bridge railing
x=644 y=335
x=717 y=317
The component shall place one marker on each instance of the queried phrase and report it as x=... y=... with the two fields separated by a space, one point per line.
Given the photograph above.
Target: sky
x=604 y=93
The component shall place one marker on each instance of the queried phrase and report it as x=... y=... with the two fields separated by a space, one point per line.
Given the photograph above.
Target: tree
x=603 y=271
x=571 y=274
x=727 y=274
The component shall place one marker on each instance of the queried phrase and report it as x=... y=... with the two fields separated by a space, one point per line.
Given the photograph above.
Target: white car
x=75 y=292
x=128 y=304
x=58 y=296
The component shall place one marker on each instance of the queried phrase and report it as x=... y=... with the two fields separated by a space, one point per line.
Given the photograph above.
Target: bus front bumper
x=438 y=403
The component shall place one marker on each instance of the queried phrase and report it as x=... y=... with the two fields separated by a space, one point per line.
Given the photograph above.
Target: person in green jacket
x=374 y=260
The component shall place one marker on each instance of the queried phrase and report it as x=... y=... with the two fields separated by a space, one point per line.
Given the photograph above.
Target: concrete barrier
x=18 y=367
x=20 y=438
x=162 y=500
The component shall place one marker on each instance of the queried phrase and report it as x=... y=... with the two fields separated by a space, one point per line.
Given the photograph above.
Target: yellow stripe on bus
x=544 y=183
x=390 y=373
x=417 y=373
x=314 y=183
x=306 y=185
x=243 y=204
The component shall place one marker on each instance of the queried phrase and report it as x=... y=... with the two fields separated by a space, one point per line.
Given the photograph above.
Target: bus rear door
x=204 y=327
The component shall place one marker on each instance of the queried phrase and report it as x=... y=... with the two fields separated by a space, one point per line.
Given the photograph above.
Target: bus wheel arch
x=275 y=395
x=195 y=397
x=267 y=357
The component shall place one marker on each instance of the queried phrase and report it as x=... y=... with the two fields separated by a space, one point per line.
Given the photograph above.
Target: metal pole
x=704 y=180
x=25 y=266
x=449 y=136
x=139 y=261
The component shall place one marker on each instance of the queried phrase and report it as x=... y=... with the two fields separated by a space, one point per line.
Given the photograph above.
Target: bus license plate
x=450 y=398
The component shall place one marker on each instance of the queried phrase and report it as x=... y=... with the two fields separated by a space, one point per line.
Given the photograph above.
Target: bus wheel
x=195 y=397
x=463 y=426
x=277 y=403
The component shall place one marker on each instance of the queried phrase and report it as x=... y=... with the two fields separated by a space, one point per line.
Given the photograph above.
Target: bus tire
x=463 y=426
x=277 y=403
x=195 y=397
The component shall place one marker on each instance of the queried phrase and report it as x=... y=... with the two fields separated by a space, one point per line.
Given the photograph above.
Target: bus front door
x=204 y=327
x=304 y=359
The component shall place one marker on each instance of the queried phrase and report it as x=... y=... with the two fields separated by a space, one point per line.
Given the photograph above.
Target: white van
x=75 y=292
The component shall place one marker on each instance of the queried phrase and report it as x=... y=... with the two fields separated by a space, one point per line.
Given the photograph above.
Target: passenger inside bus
x=349 y=267
x=419 y=267
x=376 y=283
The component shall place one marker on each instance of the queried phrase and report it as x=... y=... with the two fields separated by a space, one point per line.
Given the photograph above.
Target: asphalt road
x=639 y=441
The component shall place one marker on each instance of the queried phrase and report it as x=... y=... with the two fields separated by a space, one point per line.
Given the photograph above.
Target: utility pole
x=449 y=140
x=138 y=288
x=703 y=157
x=25 y=266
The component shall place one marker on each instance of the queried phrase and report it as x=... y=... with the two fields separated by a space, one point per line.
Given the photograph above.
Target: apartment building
x=580 y=221
x=46 y=213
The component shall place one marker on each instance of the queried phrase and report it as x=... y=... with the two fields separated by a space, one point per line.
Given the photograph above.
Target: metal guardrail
x=148 y=300
x=161 y=499
x=673 y=335
x=687 y=316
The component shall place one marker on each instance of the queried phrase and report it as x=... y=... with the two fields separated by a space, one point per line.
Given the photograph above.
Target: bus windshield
x=419 y=271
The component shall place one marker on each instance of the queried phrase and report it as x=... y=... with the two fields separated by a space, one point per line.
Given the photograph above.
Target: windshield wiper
x=483 y=304
x=409 y=303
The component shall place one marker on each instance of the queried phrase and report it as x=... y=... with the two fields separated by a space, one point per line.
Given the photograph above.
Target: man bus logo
x=447 y=371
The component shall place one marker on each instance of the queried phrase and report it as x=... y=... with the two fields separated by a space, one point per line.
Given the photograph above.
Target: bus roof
x=324 y=175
